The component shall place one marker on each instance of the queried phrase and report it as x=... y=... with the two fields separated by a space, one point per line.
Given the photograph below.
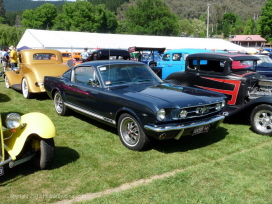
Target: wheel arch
x=128 y=111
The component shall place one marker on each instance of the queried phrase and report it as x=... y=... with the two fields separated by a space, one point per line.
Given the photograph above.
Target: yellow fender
x=31 y=80
x=35 y=123
x=13 y=78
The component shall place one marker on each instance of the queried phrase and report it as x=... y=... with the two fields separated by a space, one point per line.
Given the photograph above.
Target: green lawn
x=228 y=165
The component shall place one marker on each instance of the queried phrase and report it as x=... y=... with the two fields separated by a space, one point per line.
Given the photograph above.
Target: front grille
x=197 y=111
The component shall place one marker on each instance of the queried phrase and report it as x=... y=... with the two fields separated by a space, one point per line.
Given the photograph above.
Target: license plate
x=201 y=129
x=1 y=170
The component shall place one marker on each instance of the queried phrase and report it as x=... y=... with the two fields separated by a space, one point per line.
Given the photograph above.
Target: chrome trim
x=5 y=162
x=100 y=117
x=182 y=127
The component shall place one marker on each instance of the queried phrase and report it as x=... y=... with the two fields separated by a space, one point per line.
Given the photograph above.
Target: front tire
x=131 y=133
x=60 y=107
x=25 y=89
x=261 y=119
x=7 y=82
x=45 y=155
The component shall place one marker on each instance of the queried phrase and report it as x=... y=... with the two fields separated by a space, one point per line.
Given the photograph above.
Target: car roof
x=223 y=56
x=107 y=62
x=187 y=50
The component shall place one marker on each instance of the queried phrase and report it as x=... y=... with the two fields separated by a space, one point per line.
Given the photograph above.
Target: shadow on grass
x=4 y=98
x=168 y=146
x=187 y=143
x=64 y=156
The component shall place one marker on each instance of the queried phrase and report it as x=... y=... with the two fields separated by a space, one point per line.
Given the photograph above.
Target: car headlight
x=183 y=114
x=161 y=115
x=13 y=120
x=218 y=106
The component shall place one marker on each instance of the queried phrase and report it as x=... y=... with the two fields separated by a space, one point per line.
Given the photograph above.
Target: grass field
x=228 y=165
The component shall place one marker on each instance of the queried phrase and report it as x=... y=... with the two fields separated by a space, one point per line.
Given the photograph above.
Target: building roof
x=248 y=38
x=74 y=41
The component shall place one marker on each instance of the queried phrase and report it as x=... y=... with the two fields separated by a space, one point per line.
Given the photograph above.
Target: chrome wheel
x=129 y=131
x=261 y=119
x=60 y=107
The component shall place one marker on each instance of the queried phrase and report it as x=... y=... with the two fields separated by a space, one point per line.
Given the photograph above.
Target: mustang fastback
x=130 y=96
x=34 y=64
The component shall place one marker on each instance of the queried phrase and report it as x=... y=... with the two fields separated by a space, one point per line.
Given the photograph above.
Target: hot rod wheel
x=261 y=119
x=45 y=154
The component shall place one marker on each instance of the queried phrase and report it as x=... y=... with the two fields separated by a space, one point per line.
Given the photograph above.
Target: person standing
x=13 y=57
x=5 y=60
x=84 y=55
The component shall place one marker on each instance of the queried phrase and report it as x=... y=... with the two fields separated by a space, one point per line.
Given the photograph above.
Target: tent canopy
x=71 y=41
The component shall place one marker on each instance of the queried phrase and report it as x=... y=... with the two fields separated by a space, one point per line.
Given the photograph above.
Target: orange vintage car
x=34 y=64
x=77 y=55
x=66 y=56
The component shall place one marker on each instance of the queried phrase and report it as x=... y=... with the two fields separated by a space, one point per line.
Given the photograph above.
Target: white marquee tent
x=73 y=41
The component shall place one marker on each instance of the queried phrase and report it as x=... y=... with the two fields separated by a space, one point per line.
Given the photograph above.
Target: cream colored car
x=34 y=64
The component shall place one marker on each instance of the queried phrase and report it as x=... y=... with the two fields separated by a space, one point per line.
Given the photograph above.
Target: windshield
x=244 y=64
x=263 y=59
x=127 y=73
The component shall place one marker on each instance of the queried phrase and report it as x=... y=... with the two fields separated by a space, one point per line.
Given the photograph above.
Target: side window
x=86 y=75
x=67 y=74
x=214 y=66
x=176 y=56
x=192 y=64
x=166 y=57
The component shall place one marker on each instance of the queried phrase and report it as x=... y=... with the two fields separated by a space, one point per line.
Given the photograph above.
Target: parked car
x=66 y=56
x=249 y=93
x=174 y=60
x=27 y=137
x=264 y=65
x=130 y=96
x=109 y=54
x=34 y=64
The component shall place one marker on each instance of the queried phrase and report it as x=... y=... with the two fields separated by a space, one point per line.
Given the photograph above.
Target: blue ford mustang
x=131 y=97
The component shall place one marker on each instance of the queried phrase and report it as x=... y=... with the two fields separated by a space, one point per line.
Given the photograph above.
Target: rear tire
x=45 y=155
x=25 y=89
x=261 y=119
x=60 y=107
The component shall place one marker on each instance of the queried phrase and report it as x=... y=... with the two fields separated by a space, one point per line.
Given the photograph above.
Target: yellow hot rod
x=34 y=64
x=26 y=138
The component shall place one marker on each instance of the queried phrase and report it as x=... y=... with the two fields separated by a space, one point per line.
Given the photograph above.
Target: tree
x=229 y=20
x=40 y=18
x=10 y=35
x=150 y=17
x=265 y=20
x=2 y=12
x=250 y=28
x=83 y=16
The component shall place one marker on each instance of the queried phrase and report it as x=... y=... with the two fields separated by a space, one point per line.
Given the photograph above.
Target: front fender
x=12 y=77
x=248 y=107
x=35 y=124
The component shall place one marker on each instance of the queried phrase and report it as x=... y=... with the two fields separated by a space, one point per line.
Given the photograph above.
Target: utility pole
x=208 y=16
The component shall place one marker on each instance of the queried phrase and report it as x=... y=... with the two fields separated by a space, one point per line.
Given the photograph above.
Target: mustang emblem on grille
x=202 y=110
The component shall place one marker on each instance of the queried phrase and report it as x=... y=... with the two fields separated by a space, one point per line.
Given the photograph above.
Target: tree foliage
x=150 y=17
x=41 y=17
x=265 y=20
x=10 y=35
x=83 y=16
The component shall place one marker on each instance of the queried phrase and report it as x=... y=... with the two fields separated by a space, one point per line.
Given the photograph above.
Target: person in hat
x=84 y=55
x=13 y=57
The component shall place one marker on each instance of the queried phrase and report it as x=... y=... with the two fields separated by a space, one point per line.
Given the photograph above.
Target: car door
x=83 y=91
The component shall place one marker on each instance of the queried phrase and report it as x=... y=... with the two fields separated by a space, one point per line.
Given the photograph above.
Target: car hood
x=41 y=70
x=176 y=96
